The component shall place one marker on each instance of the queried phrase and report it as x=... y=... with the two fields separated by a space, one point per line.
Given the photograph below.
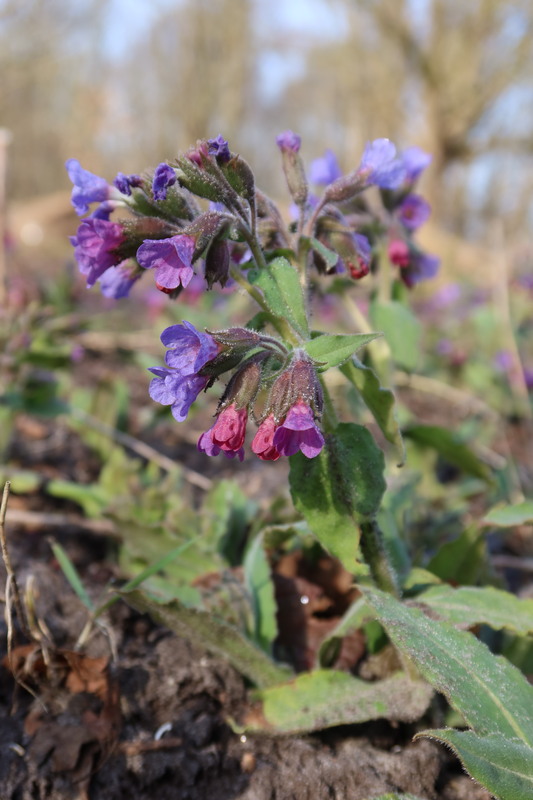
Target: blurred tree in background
x=453 y=77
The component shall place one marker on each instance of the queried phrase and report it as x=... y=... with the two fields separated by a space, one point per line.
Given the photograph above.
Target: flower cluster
x=291 y=413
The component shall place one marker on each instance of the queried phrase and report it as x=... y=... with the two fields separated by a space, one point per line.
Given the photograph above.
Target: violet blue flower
x=413 y=211
x=190 y=349
x=177 y=391
x=414 y=161
x=380 y=166
x=503 y=360
x=125 y=183
x=103 y=210
x=164 y=176
x=299 y=432
x=421 y=267
x=116 y=282
x=219 y=148
x=289 y=141
x=325 y=170
x=88 y=187
x=95 y=247
x=171 y=259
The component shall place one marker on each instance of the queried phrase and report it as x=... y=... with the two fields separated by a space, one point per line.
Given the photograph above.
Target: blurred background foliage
x=124 y=84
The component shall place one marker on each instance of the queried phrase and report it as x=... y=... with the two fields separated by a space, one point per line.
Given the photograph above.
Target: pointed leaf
x=463 y=560
x=503 y=766
x=491 y=694
x=507 y=516
x=379 y=401
x=324 y=698
x=258 y=580
x=339 y=489
x=331 y=350
x=330 y=257
x=351 y=621
x=206 y=630
x=472 y=605
x=281 y=287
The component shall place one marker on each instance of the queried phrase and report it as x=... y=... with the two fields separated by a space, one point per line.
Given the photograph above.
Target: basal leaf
x=331 y=350
x=491 y=694
x=449 y=447
x=281 y=287
x=378 y=400
x=339 y=489
x=401 y=329
x=464 y=560
x=472 y=605
x=324 y=698
x=258 y=580
x=351 y=620
x=204 y=629
x=508 y=516
x=503 y=766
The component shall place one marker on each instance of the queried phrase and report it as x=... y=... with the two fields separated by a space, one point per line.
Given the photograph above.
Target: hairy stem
x=375 y=554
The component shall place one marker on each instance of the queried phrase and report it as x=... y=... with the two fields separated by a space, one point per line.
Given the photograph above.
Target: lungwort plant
x=203 y=215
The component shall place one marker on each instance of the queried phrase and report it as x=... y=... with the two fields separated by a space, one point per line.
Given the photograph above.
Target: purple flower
x=95 y=247
x=190 y=349
x=88 y=188
x=325 y=170
x=380 y=166
x=125 y=183
x=116 y=282
x=178 y=391
x=104 y=210
x=219 y=148
x=446 y=296
x=421 y=267
x=171 y=259
x=414 y=162
x=503 y=360
x=413 y=211
x=164 y=176
x=289 y=141
x=298 y=432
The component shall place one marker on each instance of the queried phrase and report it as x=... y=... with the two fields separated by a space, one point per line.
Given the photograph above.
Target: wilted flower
x=125 y=183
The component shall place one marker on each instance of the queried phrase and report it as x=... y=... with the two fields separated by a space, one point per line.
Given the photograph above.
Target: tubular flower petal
x=88 y=188
x=263 y=441
x=299 y=432
x=95 y=247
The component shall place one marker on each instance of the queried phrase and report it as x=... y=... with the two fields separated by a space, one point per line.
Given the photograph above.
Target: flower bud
x=243 y=384
x=298 y=382
x=217 y=263
x=205 y=229
x=293 y=166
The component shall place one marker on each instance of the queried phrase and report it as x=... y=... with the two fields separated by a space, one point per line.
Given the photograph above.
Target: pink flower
x=263 y=441
x=227 y=434
x=299 y=432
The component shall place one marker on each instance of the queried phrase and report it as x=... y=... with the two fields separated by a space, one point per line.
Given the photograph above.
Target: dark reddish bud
x=241 y=338
x=217 y=263
x=359 y=269
x=243 y=385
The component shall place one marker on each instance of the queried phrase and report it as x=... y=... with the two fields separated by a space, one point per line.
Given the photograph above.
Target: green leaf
x=503 y=766
x=204 y=629
x=258 y=580
x=227 y=513
x=339 y=489
x=401 y=329
x=330 y=257
x=378 y=400
x=491 y=694
x=332 y=350
x=71 y=574
x=281 y=287
x=352 y=619
x=472 y=605
x=507 y=516
x=449 y=447
x=91 y=497
x=463 y=560
x=324 y=698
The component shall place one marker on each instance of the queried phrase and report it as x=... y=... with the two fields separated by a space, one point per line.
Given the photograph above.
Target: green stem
x=329 y=416
x=281 y=325
x=375 y=554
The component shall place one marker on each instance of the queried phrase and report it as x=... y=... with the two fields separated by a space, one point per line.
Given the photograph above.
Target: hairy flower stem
x=375 y=554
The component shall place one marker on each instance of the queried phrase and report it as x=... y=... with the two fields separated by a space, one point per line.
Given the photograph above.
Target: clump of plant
x=203 y=214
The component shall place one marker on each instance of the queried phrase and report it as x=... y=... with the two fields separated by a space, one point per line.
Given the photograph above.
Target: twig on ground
x=12 y=588
x=30 y=519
